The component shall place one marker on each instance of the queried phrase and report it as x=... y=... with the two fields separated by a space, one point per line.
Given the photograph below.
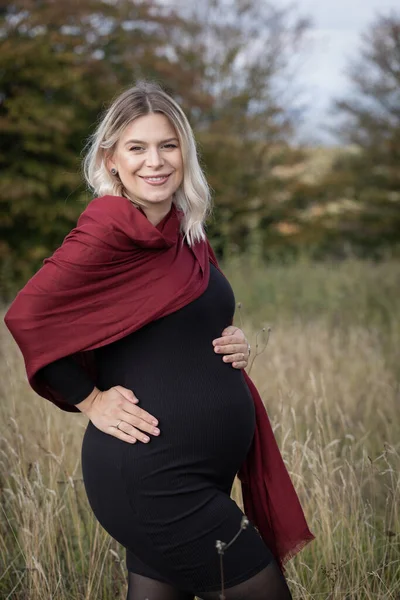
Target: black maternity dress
x=167 y=501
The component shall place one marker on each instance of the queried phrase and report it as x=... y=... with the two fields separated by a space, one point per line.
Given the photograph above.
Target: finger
x=133 y=432
x=231 y=349
x=139 y=424
x=240 y=365
x=231 y=358
x=126 y=393
x=118 y=433
x=140 y=413
x=229 y=339
x=230 y=330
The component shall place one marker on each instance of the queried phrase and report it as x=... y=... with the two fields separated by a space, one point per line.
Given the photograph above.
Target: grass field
x=329 y=377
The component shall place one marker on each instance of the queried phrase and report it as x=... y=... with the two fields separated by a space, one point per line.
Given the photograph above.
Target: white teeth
x=155 y=178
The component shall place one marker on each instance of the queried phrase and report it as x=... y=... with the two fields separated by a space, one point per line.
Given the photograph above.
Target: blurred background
x=296 y=110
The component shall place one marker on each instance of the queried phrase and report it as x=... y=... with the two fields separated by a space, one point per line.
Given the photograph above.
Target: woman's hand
x=234 y=345
x=115 y=412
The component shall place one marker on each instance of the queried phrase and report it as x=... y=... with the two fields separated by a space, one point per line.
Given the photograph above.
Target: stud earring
x=113 y=171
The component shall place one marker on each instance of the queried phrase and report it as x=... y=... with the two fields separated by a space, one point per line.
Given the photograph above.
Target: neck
x=155 y=214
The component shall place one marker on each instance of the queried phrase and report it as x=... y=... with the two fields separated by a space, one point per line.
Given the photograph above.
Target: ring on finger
x=117 y=425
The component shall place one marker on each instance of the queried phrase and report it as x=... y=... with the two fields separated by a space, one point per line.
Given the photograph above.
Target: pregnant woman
x=130 y=322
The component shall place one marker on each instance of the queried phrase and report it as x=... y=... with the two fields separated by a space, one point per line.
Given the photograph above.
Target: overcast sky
x=335 y=37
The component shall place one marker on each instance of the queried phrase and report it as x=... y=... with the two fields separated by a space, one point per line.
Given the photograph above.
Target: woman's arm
x=67 y=377
x=113 y=411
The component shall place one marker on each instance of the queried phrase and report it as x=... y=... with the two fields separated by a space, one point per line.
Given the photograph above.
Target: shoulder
x=112 y=206
x=111 y=213
x=114 y=220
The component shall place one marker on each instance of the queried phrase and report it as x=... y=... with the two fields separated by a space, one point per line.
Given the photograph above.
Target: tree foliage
x=62 y=62
x=365 y=183
x=248 y=48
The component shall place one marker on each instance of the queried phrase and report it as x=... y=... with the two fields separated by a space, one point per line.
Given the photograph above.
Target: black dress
x=167 y=501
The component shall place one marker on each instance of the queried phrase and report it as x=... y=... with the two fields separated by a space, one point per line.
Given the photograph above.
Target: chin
x=153 y=200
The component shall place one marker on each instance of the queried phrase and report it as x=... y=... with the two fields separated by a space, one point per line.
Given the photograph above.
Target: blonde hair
x=192 y=197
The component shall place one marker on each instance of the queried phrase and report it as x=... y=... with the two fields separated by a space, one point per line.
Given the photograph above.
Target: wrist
x=85 y=405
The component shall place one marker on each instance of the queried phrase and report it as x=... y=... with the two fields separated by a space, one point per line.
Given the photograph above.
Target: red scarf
x=113 y=273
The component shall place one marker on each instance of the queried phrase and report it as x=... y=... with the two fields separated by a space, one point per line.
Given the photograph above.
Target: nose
x=154 y=158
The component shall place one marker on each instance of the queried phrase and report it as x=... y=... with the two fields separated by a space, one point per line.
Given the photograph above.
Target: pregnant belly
x=207 y=425
x=206 y=419
x=198 y=400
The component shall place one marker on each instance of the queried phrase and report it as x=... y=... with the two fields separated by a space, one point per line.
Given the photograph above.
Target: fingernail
x=145 y=438
x=154 y=422
x=156 y=431
x=217 y=348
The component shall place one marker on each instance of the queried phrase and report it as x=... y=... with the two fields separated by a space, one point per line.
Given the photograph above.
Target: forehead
x=149 y=128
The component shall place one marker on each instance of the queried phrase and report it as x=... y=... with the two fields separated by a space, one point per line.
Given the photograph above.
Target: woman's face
x=148 y=159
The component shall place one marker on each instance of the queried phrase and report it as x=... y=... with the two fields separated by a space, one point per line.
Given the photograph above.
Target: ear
x=109 y=162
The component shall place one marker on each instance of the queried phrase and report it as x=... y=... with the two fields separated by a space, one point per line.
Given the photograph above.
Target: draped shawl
x=114 y=273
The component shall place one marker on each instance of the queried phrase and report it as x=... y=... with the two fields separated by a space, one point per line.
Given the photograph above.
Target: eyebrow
x=141 y=142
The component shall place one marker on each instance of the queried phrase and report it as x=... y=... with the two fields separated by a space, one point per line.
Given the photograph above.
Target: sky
x=335 y=36
x=333 y=39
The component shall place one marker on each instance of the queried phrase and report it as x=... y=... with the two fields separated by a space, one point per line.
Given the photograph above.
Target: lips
x=155 y=179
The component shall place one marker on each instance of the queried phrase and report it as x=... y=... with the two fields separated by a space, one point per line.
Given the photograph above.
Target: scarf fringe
x=306 y=539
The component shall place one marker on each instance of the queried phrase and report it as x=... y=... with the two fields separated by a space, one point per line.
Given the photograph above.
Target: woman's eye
x=139 y=148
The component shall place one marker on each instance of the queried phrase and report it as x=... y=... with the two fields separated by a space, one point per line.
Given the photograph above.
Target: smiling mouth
x=156 y=179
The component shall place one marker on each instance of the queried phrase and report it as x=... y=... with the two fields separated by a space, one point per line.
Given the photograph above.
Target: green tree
x=227 y=64
x=59 y=64
x=365 y=183
x=248 y=47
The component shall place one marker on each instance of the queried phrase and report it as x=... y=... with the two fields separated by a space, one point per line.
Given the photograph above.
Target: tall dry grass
x=330 y=379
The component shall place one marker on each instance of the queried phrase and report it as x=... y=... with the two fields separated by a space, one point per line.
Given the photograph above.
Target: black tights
x=268 y=584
